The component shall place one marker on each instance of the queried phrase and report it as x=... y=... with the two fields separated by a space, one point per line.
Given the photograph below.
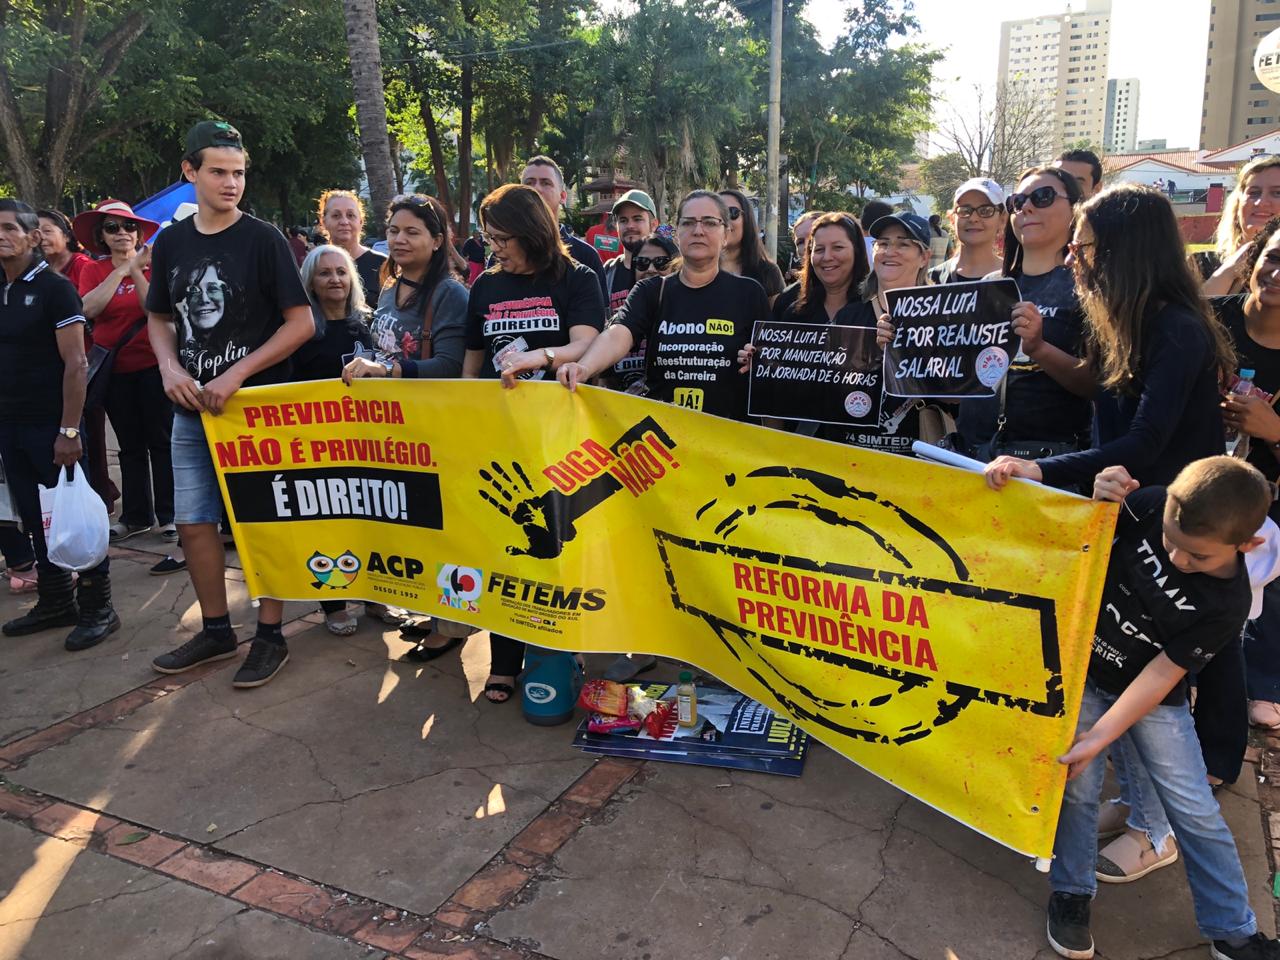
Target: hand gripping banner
x=928 y=629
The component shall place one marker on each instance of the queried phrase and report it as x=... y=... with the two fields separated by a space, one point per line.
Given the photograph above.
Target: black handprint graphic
x=533 y=514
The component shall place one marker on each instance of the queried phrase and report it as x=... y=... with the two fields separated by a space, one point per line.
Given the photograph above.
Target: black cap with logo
x=213 y=133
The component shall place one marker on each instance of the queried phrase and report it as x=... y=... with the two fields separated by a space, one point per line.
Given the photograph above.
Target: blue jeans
x=1164 y=742
x=196 y=496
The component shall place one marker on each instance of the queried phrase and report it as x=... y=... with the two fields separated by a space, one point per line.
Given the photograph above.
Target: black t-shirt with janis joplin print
x=509 y=312
x=692 y=337
x=226 y=291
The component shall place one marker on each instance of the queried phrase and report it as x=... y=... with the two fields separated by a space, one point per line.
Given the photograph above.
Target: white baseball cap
x=985 y=186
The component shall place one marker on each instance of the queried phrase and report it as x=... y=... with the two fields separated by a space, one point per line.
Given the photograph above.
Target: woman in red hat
x=114 y=290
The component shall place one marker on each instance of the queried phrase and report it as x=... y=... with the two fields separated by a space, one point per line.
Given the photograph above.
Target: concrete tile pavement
x=361 y=804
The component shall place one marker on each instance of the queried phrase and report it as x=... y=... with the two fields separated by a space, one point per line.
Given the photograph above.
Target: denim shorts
x=196 y=495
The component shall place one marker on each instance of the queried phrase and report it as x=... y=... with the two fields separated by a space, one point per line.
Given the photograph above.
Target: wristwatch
x=69 y=432
x=551 y=356
x=388 y=364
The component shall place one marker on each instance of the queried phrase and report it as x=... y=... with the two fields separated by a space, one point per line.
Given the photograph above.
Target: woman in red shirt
x=114 y=290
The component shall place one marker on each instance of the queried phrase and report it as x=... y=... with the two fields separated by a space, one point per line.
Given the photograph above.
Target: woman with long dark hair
x=535 y=310
x=831 y=276
x=744 y=252
x=419 y=325
x=1152 y=344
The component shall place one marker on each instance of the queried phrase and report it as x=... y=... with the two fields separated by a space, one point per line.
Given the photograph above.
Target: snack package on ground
x=602 y=723
x=604 y=696
x=639 y=704
x=662 y=716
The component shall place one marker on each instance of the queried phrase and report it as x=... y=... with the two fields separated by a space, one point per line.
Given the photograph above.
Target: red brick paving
x=20 y=805
x=597 y=785
x=547 y=833
x=392 y=935
x=208 y=870
x=493 y=886
x=19 y=750
x=72 y=823
x=147 y=852
x=299 y=899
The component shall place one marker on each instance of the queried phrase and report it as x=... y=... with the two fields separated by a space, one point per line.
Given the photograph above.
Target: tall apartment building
x=1120 y=129
x=1063 y=59
x=1236 y=106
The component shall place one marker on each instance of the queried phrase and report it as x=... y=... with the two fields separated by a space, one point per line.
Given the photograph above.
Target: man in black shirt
x=227 y=309
x=43 y=376
x=544 y=175
x=636 y=216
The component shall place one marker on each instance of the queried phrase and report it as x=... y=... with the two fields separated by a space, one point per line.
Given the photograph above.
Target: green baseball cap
x=213 y=133
x=639 y=198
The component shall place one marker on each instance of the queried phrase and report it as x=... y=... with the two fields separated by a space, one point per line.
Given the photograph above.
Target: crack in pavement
x=161 y=881
x=208 y=933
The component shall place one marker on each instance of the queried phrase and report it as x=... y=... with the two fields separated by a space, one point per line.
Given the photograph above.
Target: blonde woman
x=1254 y=201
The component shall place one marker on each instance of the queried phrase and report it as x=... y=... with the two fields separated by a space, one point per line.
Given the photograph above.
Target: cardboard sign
x=954 y=340
x=816 y=372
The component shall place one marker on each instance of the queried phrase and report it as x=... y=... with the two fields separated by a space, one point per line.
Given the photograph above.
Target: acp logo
x=333 y=572
x=460 y=587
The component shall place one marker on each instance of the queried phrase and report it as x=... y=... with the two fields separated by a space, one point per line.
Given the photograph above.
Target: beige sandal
x=1131 y=856
x=1264 y=714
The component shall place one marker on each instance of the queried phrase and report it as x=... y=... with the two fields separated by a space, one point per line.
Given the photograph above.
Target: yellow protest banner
x=930 y=630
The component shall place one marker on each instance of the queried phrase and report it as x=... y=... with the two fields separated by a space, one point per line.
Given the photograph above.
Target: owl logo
x=333 y=572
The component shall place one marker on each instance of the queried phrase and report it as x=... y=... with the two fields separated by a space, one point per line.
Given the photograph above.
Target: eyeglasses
x=985 y=212
x=115 y=226
x=1075 y=246
x=496 y=239
x=735 y=213
x=658 y=263
x=896 y=244
x=1041 y=197
x=707 y=223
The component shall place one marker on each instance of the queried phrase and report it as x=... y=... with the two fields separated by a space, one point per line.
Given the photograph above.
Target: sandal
x=506 y=689
x=1264 y=714
x=341 y=624
x=1131 y=856
x=424 y=654
x=24 y=581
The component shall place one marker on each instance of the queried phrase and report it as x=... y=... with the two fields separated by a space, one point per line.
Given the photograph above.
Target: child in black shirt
x=1176 y=592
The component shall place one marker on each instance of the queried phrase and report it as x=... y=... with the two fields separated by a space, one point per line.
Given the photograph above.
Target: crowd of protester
x=1127 y=383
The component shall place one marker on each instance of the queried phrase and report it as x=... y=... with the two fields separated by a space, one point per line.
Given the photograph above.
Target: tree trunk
x=371 y=105
x=464 y=151
x=394 y=143
x=488 y=162
x=428 y=117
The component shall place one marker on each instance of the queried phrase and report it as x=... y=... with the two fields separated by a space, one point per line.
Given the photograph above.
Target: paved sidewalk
x=361 y=807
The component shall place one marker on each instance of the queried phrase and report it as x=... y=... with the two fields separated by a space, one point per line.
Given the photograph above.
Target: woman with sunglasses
x=1042 y=406
x=744 y=252
x=1254 y=201
x=686 y=363
x=114 y=291
x=535 y=310
x=655 y=256
x=978 y=218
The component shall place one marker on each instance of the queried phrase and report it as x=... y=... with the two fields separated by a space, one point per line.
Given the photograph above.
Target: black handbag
x=101 y=361
x=998 y=446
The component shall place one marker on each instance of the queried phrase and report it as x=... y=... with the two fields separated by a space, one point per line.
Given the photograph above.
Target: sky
x=1162 y=44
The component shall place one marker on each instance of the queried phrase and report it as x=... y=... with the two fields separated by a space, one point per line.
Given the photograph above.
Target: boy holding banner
x=1177 y=591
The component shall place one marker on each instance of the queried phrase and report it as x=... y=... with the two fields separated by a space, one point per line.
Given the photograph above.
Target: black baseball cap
x=213 y=133
x=916 y=226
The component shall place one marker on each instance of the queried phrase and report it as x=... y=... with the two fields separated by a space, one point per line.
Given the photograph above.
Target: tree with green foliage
x=940 y=176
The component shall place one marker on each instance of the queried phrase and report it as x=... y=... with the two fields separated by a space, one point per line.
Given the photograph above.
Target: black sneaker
x=1068 y=926
x=199 y=649
x=1257 y=947
x=264 y=661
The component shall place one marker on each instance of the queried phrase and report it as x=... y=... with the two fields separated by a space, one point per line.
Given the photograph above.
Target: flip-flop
x=504 y=688
x=341 y=628
x=422 y=654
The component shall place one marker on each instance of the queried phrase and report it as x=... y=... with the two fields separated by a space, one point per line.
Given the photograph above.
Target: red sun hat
x=85 y=226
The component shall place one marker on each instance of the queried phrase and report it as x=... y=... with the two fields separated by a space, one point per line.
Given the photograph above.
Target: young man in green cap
x=227 y=309
x=636 y=217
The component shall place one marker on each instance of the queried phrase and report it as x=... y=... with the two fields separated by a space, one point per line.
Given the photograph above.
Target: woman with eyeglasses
x=744 y=252
x=114 y=291
x=655 y=256
x=1254 y=201
x=1042 y=406
x=694 y=324
x=419 y=325
x=531 y=313
x=978 y=218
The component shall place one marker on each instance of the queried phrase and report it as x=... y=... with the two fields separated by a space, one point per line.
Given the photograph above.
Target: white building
x=1120 y=129
x=1063 y=58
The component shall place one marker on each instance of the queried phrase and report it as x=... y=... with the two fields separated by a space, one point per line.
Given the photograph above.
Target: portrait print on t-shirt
x=215 y=333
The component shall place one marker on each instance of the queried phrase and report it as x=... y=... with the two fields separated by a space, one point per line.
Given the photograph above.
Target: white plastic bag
x=80 y=530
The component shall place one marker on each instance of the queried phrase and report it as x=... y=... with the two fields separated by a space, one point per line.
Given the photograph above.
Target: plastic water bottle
x=1241 y=388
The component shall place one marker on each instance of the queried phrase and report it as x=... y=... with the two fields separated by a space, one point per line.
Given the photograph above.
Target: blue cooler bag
x=549 y=685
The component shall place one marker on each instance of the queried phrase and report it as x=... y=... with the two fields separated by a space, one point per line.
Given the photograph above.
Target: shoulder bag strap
x=428 y=320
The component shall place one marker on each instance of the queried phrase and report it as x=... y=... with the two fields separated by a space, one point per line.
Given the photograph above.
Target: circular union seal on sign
x=1266 y=61
x=991 y=366
x=857 y=404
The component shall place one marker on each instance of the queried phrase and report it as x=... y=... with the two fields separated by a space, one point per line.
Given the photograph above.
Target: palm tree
x=371 y=105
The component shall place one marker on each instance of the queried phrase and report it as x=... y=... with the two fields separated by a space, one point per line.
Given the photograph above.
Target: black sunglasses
x=115 y=226
x=1041 y=197
x=735 y=213
x=658 y=263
